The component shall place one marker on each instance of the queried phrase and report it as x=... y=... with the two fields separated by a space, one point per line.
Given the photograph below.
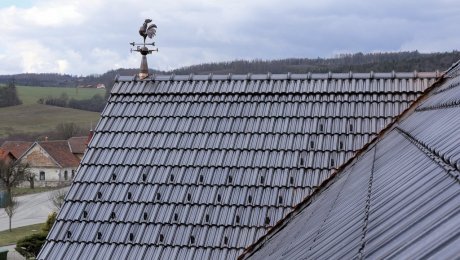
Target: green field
x=31 y=117
x=30 y=95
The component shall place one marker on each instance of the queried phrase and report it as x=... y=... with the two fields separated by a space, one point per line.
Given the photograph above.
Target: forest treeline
x=358 y=62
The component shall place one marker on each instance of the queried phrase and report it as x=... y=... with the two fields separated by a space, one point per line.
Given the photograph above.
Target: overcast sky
x=91 y=36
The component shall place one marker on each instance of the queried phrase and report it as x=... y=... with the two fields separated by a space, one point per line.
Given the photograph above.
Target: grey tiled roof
x=400 y=199
x=202 y=166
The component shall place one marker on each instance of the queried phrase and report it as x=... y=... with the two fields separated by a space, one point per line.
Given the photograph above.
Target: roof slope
x=16 y=148
x=60 y=152
x=201 y=166
x=400 y=199
x=78 y=144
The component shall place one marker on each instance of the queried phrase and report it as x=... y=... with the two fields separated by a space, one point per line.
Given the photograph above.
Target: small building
x=16 y=148
x=6 y=156
x=78 y=145
x=52 y=162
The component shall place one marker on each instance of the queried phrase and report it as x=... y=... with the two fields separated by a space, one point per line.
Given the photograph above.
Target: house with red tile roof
x=16 y=148
x=78 y=145
x=6 y=156
x=52 y=162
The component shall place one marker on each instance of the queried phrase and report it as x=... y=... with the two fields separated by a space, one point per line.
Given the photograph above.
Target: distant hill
x=358 y=62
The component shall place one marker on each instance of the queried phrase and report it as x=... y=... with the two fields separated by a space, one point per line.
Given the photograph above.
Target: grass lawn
x=35 y=118
x=8 y=238
x=26 y=191
x=30 y=95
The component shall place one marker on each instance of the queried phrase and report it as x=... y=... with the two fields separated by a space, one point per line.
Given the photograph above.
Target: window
x=73 y=174
x=42 y=176
x=66 y=175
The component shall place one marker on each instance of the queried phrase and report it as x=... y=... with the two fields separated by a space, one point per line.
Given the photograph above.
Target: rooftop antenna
x=145 y=31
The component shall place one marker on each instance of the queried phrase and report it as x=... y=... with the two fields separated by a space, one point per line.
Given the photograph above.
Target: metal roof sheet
x=399 y=199
x=201 y=166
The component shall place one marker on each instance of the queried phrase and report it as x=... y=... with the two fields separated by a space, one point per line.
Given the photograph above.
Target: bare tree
x=67 y=130
x=11 y=174
x=57 y=198
x=30 y=177
x=11 y=207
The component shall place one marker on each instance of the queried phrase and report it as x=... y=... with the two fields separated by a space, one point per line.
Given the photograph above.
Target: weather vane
x=145 y=31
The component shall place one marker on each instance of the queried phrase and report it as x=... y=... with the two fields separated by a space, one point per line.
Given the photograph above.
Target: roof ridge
x=435 y=155
x=286 y=76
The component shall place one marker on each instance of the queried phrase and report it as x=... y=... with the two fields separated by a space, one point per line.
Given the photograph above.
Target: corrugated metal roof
x=400 y=199
x=202 y=166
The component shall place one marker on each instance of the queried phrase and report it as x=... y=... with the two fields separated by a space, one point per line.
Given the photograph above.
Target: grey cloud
x=191 y=32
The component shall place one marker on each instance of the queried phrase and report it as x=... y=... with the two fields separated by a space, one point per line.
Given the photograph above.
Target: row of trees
x=9 y=96
x=96 y=103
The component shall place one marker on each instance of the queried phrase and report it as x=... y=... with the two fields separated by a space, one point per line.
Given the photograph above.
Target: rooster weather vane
x=145 y=31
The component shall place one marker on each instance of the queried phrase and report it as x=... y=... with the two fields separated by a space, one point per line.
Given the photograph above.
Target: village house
x=6 y=156
x=16 y=148
x=54 y=163
x=78 y=145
